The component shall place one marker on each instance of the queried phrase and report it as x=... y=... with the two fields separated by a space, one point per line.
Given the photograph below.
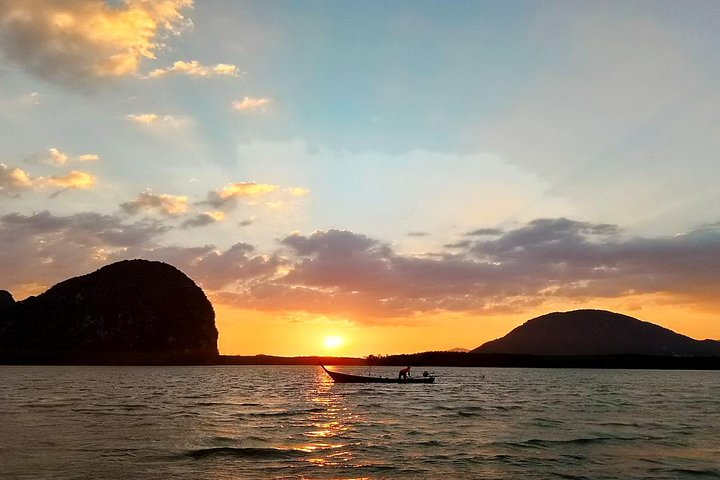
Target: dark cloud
x=484 y=231
x=547 y=259
x=417 y=234
x=200 y=220
x=42 y=248
x=338 y=272
x=333 y=243
x=461 y=244
x=238 y=267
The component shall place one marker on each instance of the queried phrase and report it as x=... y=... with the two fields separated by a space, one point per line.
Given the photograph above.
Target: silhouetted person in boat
x=404 y=374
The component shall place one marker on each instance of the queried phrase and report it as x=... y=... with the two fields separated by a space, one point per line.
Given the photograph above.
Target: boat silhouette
x=347 y=378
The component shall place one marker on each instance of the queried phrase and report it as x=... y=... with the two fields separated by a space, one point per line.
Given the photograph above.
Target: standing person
x=404 y=374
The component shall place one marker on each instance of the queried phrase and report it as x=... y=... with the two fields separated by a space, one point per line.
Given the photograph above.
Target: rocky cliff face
x=596 y=332
x=134 y=311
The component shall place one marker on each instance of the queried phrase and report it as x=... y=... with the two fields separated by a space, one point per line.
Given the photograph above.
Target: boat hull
x=347 y=378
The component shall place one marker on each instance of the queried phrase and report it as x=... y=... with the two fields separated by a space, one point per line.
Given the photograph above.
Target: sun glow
x=333 y=341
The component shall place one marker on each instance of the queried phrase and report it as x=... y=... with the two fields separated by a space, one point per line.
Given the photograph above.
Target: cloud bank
x=343 y=273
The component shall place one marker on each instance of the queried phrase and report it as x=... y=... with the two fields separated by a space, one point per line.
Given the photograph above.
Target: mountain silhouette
x=134 y=311
x=596 y=332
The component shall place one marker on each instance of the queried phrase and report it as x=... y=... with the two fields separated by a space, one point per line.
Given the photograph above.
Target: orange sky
x=248 y=332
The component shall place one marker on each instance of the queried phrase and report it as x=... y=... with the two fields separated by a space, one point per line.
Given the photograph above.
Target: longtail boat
x=347 y=378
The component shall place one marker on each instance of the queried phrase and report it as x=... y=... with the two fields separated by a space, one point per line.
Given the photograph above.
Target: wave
x=282 y=413
x=541 y=443
x=245 y=452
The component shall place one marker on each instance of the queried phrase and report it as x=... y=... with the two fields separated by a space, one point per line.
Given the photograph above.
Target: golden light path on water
x=330 y=421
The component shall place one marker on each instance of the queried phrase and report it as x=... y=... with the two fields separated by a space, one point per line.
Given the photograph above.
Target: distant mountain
x=459 y=349
x=596 y=332
x=134 y=311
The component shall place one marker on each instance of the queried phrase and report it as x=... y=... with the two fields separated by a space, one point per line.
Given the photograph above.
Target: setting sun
x=333 y=341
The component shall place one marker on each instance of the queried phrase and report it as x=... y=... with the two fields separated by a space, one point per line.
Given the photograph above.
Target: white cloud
x=57 y=157
x=251 y=104
x=196 y=69
x=89 y=157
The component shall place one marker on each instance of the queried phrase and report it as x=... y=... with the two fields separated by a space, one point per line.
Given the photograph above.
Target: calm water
x=291 y=422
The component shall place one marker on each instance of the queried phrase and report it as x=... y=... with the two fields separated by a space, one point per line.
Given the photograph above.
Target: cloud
x=339 y=272
x=460 y=244
x=543 y=261
x=169 y=205
x=227 y=196
x=331 y=243
x=13 y=180
x=195 y=69
x=417 y=234
x=247 y=221
x=298 y=191
x=144 y=118
x=73 y=180
x=251 y=104
x=156 y=124
x=239 y=265
x=57 y=157
x=203 y=219
x=79 y=43
x=42 y=248
x=484 y=231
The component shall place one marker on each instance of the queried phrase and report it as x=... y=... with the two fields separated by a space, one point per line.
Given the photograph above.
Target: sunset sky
x=369 y=177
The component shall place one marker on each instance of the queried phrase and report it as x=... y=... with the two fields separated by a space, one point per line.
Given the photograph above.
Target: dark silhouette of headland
x=129 y=312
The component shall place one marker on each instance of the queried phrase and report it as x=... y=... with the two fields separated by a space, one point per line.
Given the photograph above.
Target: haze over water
x=292 y=422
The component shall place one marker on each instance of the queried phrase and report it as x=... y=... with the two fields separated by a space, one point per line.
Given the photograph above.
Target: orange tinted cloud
x=75 y=42
x=13 y=180
x=73 y=180
x=298 y=191
x=227 y=196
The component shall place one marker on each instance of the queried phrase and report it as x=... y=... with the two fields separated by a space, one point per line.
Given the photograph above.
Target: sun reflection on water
x=329 y=424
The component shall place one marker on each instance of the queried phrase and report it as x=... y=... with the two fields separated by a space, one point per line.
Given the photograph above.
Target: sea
x=292 y=422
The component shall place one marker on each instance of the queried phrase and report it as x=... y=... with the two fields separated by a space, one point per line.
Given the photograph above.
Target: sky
x=369 y=177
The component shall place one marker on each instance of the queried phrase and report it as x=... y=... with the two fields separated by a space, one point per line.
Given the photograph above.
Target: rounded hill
x=129 y=311
x=595 y=332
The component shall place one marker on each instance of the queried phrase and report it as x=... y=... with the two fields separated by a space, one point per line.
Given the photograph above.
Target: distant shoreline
x=429 y=359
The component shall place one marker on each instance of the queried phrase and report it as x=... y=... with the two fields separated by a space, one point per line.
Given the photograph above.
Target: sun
x=333 y=341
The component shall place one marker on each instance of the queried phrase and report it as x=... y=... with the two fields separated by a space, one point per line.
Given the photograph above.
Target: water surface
x=235 y=422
